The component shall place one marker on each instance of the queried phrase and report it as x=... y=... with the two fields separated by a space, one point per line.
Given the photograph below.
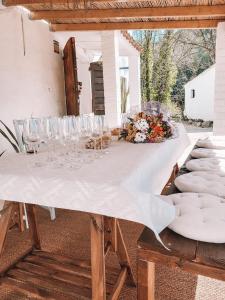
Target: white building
x=199 y=96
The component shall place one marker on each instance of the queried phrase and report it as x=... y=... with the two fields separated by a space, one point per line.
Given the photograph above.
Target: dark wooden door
x=71 y=82
x=97 y=84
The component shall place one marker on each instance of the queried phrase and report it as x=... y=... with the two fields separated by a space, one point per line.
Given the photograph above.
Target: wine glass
x=98 y=133
x=66 y=133
x=32 y=134
x=45 y=131
x=75 y=132
x=107 y=137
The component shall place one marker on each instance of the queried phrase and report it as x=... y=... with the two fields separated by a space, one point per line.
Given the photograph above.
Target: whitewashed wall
x=84 y=76
x=219 y=105
x=202 y=106
x=111 y=75
x=31 y=74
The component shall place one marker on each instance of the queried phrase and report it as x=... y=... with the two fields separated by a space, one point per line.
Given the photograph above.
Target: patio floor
x=69 y=235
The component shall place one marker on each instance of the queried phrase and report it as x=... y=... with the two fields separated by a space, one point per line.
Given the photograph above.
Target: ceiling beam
x=137 y=25
x=30 y=2
x=187 y=11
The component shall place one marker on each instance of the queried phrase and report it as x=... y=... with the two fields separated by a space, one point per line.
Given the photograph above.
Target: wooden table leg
x=146 y=280
x=98 y=258
x=20 y=216
x=5 y=218
x=33 y=227
x=123 y=256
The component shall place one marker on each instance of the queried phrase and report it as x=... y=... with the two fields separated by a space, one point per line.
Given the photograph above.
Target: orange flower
x=158 y=129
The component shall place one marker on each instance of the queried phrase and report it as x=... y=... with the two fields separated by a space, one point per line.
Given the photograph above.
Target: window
x=192 y=94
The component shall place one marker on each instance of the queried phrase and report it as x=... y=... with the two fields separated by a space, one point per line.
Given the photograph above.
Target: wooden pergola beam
x=30 y=2
x=137 y=25
x=187 y=11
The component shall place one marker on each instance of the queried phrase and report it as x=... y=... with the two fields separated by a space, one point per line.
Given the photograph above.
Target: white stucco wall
x=31 y=74
x=111 y=75
x=219 y=105
x=85 y=98
x=202 y=106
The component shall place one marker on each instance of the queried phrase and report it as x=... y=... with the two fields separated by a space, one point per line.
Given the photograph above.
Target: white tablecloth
x=122 y=184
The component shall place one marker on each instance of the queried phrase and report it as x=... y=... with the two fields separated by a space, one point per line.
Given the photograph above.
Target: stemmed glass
x=66 y=133
x=65 y=139
x=87 y=134
x=55 y=127
x=32 y=134
x=75 y=133
x=45 y=131
x=107 y=134
x=98 y=133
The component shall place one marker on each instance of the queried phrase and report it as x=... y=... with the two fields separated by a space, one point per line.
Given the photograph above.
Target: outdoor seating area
x=112 y=150
x=196 y=238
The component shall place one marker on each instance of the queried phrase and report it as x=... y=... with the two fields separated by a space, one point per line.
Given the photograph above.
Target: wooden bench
x=207 y=259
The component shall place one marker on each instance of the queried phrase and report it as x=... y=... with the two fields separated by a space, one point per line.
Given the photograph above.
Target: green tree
x=165 y=71
x=170 y=56
x=147 y=66
x=194 y=52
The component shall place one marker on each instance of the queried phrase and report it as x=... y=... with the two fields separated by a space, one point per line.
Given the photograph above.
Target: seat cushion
x=199 y=216
x=202 y=182
x=206 y=153
x=214 y=142
x=207 y=164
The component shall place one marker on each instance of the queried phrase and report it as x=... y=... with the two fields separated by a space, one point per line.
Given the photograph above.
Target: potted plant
x=7 y=134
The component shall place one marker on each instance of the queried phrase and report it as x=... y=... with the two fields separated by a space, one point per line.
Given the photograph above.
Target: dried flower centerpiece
x=144 y=128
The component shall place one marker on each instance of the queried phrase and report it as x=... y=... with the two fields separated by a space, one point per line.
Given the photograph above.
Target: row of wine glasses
x=65 y=130
x=64 y=138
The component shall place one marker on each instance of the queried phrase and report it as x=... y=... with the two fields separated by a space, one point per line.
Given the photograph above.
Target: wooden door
x=97 y=84
x=71 y=82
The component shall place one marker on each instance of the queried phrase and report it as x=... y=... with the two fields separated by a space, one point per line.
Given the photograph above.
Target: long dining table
x=123 y=184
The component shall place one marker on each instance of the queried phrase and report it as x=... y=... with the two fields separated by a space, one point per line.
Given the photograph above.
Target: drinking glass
x=32 y=134
x=45 y=131
x=107 y=137
x=97 y=134
x=75 y=133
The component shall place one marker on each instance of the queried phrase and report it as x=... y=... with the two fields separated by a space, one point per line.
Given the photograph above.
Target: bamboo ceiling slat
x=121 y=11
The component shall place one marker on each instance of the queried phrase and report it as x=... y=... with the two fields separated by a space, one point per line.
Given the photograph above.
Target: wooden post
x=32 y=219
x=146 y=280
x=20 y=217
x=111 y=232
x=123 y=256
x=98 y=258
x=5 y=218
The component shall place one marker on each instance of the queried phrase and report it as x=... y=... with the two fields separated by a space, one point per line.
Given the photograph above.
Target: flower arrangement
x=144 y=128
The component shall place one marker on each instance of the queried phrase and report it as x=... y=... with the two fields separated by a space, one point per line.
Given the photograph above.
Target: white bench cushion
x=207 y=164
x=202 y=182
x=215 y=142
x=206 y=153
x=198 y=216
